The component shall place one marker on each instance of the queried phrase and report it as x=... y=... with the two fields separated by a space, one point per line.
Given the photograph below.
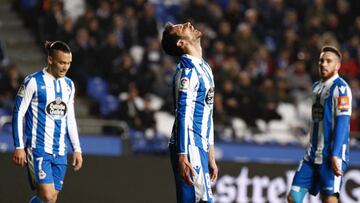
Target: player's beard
x=326 y=73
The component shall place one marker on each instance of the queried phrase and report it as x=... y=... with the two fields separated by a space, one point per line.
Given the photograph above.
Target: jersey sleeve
x=185 y=86
x=22 y=102
x=342 y=101
x=71 y=122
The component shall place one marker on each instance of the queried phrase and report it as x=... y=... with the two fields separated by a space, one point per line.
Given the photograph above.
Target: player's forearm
x=212 y=154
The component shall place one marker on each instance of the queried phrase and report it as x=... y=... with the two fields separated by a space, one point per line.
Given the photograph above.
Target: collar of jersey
x=193 y=58
x=330 y=80
x=49 y=75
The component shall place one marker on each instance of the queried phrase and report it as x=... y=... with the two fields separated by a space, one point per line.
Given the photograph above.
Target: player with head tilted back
x=192 y=142
x=327 y=154
x=45 y=104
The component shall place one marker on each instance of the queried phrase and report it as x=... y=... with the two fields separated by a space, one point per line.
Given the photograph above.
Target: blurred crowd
x=262 y=52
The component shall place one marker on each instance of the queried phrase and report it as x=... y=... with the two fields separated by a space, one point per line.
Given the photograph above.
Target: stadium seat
x=164 y=123
x=97 y=88
x=108 y=105
x=288 y=113
x=240 y=128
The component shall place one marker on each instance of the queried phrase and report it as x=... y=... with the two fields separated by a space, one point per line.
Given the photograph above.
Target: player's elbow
x=49 y=197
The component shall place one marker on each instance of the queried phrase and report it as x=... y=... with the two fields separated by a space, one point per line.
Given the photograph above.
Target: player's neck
x=49 y=70
x=195 y=51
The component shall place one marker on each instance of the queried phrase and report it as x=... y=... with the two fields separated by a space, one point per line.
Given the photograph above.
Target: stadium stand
x=263 y=54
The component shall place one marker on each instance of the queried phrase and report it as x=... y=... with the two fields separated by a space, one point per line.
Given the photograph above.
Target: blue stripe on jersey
x=328 y=122
x=15 y=121
x=198 y=114
x=57 y=129
x=40 y=130
x=181 y=112
x=29 y=125
x=68 y=82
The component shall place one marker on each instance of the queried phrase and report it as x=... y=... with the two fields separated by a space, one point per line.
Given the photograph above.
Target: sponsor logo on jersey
x=343 y=103
x=57 y=108
x=317 y=112
x=21 y=91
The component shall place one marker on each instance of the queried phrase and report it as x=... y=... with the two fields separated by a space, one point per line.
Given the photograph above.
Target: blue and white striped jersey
x=47 y=104
x=194 y=90
x=330 y=123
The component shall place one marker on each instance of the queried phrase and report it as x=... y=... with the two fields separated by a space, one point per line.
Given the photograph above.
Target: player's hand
x=213 y=171
x=336 y=166
x=185 y=169
x=77 y=161
x=19 y=157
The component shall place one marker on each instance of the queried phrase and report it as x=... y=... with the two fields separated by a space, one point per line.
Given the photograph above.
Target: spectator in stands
x=52 y=21
x=130 y=107
x=349 y=68
x=299 y=81
x=248 y=100
x=290 y=31
x=147 y=26
x=104 y=14
x=122 y=74
x=4 y=59
x=147 y=118
x=246 y=42
x=84 y=52
x=108 y=52
x=66 y=32
x=269 y=100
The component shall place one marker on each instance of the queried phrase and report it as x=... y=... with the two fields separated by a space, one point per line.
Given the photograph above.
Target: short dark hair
x=332 y=49
x=169 y=40
x=52 y=46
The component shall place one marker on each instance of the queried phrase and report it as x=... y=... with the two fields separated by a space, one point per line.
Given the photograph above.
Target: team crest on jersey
x=42 y=174
x=21 y=91
x=210 y=96
x=57 y=108
x=184 y=84
x=343 y=103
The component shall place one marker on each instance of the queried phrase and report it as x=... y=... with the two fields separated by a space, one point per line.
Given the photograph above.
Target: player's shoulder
x=186 y=62
x=340 y=82
x=316 y=83
x=32 y=76
x=69 y=81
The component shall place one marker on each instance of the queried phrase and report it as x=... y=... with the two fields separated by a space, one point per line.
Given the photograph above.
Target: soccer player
x=327 y=154
x=192 y=143
x=44 y=112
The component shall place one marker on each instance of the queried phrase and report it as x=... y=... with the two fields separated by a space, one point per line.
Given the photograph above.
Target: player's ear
x=50 y=60
x=338 y=66
x=180 y=43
